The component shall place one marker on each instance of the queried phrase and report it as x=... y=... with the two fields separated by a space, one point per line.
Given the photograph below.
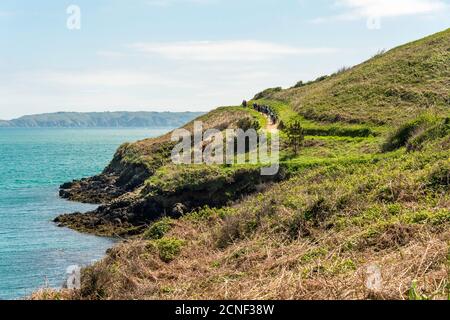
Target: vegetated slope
x=359 y=199
x=134 y=187
x=388 y=89
x=102 y=120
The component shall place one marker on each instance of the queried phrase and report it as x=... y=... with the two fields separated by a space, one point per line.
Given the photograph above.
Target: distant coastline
x=102 y=120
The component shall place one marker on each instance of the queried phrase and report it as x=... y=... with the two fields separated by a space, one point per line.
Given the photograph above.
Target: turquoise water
x=33 y=163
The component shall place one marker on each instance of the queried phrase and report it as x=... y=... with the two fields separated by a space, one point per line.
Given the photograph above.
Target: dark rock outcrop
x=135 y=210
x=96 y=190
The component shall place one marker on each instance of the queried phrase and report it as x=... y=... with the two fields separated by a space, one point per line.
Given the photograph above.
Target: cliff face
x=369 y=190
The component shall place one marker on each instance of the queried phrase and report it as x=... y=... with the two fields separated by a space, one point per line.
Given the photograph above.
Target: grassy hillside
x=388 y=89
x=369 y=190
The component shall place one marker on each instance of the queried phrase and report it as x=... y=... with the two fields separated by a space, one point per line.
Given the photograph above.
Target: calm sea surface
x=33 y=163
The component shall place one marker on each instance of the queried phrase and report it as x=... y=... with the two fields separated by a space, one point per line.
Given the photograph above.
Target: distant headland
x=102 y=120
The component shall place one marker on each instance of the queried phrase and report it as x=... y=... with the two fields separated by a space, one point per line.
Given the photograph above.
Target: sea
x=34 y=252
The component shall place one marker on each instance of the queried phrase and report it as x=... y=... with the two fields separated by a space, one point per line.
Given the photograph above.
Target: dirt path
x=272 y=127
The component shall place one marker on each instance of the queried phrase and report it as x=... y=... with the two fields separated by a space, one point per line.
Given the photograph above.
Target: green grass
x=340 y=130
x=176 y=178
x=357 y=192
x=389 y=89
x=287 y=115
x=284 y=112
x=415 y=133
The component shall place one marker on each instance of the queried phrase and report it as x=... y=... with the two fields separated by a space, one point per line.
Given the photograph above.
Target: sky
x=188 y=55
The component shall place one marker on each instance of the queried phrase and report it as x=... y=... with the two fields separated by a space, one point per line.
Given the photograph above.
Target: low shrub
x=169 y=248
x=158 y=230
x=299 y=84
x=267 y=93
x=434 y=132
x=247 y=124
x=207 y=212
x=407 y=131
x=339 y=131
x=439 y=177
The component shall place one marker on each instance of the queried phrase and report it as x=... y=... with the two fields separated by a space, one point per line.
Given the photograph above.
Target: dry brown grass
x=263 y=268
x=52 y=294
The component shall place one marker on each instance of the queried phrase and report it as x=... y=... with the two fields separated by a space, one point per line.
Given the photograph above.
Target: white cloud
x=249 y=50
x=392 y=8
x=100 y=79
x=113 y=79
x=356 y=9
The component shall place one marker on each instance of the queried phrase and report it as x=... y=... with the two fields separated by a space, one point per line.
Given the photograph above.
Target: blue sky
x=177 y=55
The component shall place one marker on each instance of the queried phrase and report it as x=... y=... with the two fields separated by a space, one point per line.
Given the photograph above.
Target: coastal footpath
x=367 y=190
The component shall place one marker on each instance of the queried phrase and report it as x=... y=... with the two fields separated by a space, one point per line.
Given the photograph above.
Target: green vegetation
x=282 y=109
x=158 y=229
x=267 y=92
x=336 y=130
x=368 y=187
x=391 y=88
x=246 y=124
x=416 y=131
x=295 y=135
x=169 y=248
x=414 y=294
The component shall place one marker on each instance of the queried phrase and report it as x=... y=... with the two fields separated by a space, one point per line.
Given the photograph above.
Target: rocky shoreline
x=95 y=190
x=116 y=214
x=129 y=202
x=125 y=214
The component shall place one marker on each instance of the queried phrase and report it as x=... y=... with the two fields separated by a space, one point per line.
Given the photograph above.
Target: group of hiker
x=265 y=110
